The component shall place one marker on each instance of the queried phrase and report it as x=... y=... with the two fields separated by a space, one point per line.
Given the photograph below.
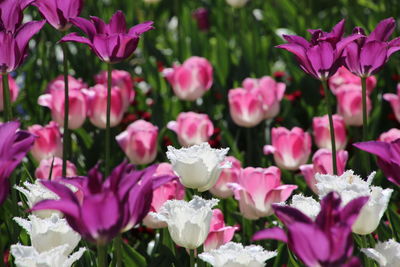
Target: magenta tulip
x=219 y=233
x=322 y=132
x=11 y=15
x=246 y=107
x=55 y=166
x=48 y=142
x=228 y=175
x=390 y=136
x=343 y=76
x=394 y=100
x=14 y=90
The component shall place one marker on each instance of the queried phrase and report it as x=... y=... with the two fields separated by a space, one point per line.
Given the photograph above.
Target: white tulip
x=307 y=205
x=351 y=186
x=49 y=233
x=387 y=254
x=188 y=222
x=237 y=3
x=151 y=1
x=198 y=166
x=234 y=254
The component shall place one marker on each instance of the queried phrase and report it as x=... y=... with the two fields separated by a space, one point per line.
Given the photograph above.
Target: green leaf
x=131 y=257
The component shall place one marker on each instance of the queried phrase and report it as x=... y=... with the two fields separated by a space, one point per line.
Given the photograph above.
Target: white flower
x=234 y=254
x=198 y=166
x=188 y=222
x=49 y=233
x=28 y=256
x=237 y=3
x=387 y=254
x=351 y=186
x=307 y=205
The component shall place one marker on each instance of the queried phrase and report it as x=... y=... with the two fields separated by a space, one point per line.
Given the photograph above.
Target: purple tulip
x=14 y=145
x=388 y=157
x=58 y=13
x=203 y=19
x=11 y=14
x=111 y=42
x=327 y=241
x=323 y=55
x=367 y=55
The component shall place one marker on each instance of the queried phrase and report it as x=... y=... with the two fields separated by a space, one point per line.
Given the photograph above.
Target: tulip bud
x=237 y=3
x=139 y=142
x=202 y=17
x=322 y=133
x=245 y=107
x=228 y=175
x=390 y=136
x=48 y=142
x=394 y=100
x=55 y=166
x=14 y=90
x=343 y=76
x=219 y=233
x=385 y=253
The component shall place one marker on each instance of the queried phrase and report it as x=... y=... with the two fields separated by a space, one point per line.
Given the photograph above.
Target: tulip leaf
x=131 y=257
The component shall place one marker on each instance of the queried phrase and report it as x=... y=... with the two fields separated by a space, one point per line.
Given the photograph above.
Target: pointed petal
x=383 y=30
x=271 y=233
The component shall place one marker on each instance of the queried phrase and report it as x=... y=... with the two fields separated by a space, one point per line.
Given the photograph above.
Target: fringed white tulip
x=387 y=254
x=307 y=205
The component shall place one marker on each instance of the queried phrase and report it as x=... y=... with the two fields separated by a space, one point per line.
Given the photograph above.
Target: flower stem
x=6 y=99
x=118 y=249
x=66 y=134
x=331 y=128
x=192 y=259
x=365 y=119
x=101 y=255
x=108 y=130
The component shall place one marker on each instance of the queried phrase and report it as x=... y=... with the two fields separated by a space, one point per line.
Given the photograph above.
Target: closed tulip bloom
x=390 y=136
x=343 y=76
x=198 y=166
x=139 y=142
x=192 y=128
x=257 y=189
x=321 y=131
x=191 y=79
x=219 y=233
x=228 y=175
x=394 y=100
x=246 y=107
x=48 y=141
x=291 y=148
x=387 y=254
x=14 y=90
x=54 y=165
x=97 y=106
x=202 y=17
x=188 y=222
x=237 y=3
x=58 y=83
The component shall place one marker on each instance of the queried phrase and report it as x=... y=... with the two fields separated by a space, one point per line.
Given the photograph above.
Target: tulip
x=228 y=175
x=192 y=128
x=327 y=241
x=237 y=3
x=198 y=166
x=257 y=189
x=48 y=141
x=54 y=165
x=291 y=148
x=111 y=42
x=58 y=13
x=394 y=101
x=191 y=79
x=97 y=106
x=246 y=107
x=73 y=83
x=343 y=77
x=219 y=233
x=306 y=205
x=322 y=132
x=188 y=222
x=11 y=16
x=350 y=186
x=14 y=90
x=270 y=91
x=387 y=254
x=202 y=18
x=390 y=136
x=234 y=254
x=139 y=142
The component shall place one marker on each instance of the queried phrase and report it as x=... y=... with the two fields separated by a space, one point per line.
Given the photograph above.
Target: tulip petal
x=383 y=30
x=271 y=233
x=85 y=25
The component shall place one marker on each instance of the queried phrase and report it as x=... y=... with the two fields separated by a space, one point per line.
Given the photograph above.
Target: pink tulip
x=43 y=170
x=349 y=104
x=191 y=79
x=394 y=101
x=291 y=148
x=343 y=76
x=48 y=142
x=139 y=142
x=322 y=163
x=390 y=136
x=257 y=189
x=97 y=106
x=245 y=107
x=192 y=128
x=121 y=79
x=228 y=175
x=270 y=91
x=322 y=132
x=219 y=233
x=171 y=190
x=14 y=89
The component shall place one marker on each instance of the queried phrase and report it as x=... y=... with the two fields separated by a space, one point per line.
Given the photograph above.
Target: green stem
x=101 y=255
x=66 y=135
x=6 y=98
x=249 y=148
x=365 y=119
x=331 y=127
x=118 y=249
x=108 y=130
x=192 y=259
x=365 y=244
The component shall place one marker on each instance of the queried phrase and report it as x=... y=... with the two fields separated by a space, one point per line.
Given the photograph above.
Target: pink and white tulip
x=394 y=100
x=390 y=136
x=228 y=175
x=257 y=189
x=246 y=107
x=14 y=90
x=47 y=165
x=291 y=148
x=219 y=233
x=343 y=76
x=48 y=142
x=191 y=79
x=192 y=128
x=322 y=133
x=139 y=142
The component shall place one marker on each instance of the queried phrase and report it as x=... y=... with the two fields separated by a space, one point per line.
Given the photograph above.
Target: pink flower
x=97 y=106
x=291 y=148
x=48 y=142
x=121 y=79
x=394 y=101
x=344 y=76
x=170 y=190
x=271 y=93
x=228 y=175
x=219 y=233
x=257 y=189
x=191 y=79
x=322 y=163
x=192 y=128
x=390 y=136
x=246 y=107
x=139 y=142
x=322 y=133
x=43 y=170
x=14 y=89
